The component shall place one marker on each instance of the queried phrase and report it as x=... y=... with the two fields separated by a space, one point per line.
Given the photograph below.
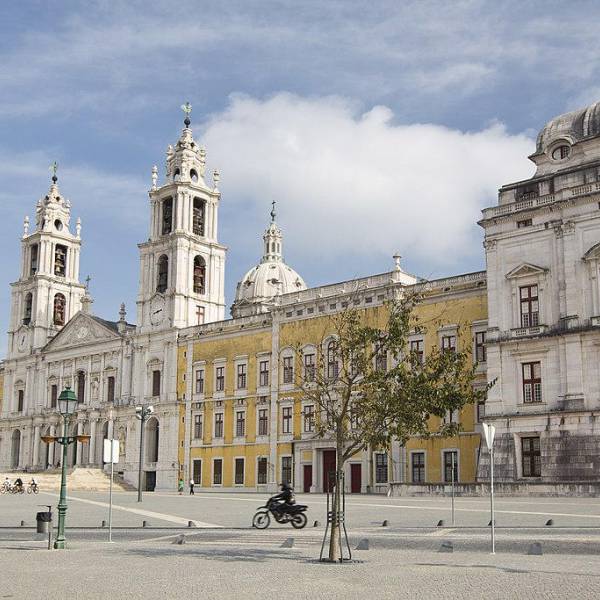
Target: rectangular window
x=448 y=343
x=524 y=223
x=217 y=471
x=263 y=373
x=110 y=389
x=532 y=382
x=381 y=467
x=199 y=381
x=530 y=316
x=309 y=419
x=531 y=457
x=53 y=395
x=239 y=471
x=218 y=425
x=286 y=415
x=417 y=460
x=156 y=383
x=241 y=376
x=450 y=466
x=288 y=369
x=20 y=400
x=34 y=259
x=263 y=421
x=80 y=386
x=309 y=367
x=261 y=477
x=480 y=410
x=416 y=347
x=220 y=379
x=480 y=352
x=197 y=472
x=197 y=427
x=286 y=470
x=240 y=423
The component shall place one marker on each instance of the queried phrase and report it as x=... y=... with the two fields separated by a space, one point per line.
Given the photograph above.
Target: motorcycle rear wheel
x=299 y=521
x=261 y=520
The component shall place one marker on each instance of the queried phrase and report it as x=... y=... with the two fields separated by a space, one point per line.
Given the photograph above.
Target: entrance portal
x=307 y=483
x=355 y=478
x=328 y=470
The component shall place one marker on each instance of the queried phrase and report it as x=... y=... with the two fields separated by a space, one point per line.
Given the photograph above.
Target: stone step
x=79 y=479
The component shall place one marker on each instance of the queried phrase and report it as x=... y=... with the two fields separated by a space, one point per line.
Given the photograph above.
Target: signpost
x=111 y=455
x=489 y=432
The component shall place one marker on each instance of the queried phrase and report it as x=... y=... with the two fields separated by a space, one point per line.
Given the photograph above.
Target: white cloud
x=351 y=183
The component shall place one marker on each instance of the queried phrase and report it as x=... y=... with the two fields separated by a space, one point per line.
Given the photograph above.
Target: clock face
x=157 y=310
x=22 y=340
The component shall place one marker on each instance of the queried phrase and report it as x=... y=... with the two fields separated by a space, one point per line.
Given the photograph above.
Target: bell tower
x=182 y=263
x=47 y=293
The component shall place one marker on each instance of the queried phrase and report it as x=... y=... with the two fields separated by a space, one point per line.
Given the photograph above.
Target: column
x=315 y=468
x=36 y=446
x=92 y=443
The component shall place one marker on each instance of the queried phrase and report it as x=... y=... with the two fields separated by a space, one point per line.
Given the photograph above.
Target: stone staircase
x=79 y=479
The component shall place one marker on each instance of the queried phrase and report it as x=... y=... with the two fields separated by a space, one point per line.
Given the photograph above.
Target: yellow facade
x=456 y=306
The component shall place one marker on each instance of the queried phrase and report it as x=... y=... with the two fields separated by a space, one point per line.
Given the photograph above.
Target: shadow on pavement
x=506 y=569
x=246 y=555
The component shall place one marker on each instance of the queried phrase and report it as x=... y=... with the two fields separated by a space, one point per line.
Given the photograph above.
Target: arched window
x=177 y=174
x=332 y=361
x=33 y=265
x=199 y=275
x=80 y=386
x=27 y=309
x=198 y=216
x=60 y=260
x=162 y=279
x=167 y=216
x=193 y=175
x=60 y=304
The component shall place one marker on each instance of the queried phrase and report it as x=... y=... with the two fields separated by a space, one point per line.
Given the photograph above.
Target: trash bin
x=42 y=519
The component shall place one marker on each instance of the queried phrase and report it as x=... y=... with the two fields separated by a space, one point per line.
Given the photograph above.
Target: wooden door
x=307 y=479
x=328 y=468
x=355 y=478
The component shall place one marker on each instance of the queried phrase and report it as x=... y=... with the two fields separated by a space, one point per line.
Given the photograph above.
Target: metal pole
x=59 y=543
x=112 y=470
x=142 y=421
x=452 y=454
x=492 y=499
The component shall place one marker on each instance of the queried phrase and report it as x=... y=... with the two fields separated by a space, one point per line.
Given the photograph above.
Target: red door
x=328 y=470
x=307 y=478
x=355 y=478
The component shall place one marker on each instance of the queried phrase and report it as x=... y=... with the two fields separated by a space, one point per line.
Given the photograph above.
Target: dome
x=257 y=291
x=572 y=126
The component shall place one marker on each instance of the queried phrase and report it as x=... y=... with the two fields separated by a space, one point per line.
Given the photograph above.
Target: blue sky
x=377 y=126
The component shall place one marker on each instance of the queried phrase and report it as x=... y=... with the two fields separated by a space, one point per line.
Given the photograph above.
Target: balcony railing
x=528 y=331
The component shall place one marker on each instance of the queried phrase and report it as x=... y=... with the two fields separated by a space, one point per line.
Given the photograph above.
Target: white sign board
x=115 y=451
x=489 y=432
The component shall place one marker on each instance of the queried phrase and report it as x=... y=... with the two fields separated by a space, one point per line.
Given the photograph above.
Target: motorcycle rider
x=285 y=498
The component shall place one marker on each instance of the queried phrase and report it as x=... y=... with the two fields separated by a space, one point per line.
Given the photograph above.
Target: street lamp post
x=142 y=413
x=67 y=402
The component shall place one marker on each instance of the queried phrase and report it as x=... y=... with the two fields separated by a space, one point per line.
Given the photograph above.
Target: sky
x=377 y=127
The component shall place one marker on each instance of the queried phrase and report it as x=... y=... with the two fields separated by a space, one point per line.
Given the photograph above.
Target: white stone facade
x=111 y=365
x=543 y=343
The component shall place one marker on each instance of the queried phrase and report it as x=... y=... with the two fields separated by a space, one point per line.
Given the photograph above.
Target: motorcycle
x=282 y=513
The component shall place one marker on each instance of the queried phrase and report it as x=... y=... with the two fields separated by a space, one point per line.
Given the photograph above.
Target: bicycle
x=32 y=488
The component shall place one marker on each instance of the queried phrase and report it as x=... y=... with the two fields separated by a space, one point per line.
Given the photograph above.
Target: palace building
x=228 y=411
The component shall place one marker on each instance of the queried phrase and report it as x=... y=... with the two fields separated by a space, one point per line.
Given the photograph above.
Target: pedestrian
x=191 y=487
x=180 y=486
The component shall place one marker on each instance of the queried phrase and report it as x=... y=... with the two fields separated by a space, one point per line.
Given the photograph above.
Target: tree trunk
x=335 y=550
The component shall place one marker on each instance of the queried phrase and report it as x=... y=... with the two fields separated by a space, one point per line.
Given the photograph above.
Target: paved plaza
x=222 y=556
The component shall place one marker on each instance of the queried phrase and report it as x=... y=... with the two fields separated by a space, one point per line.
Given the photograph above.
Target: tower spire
x=187 y=109
x=54 y=169
x=273 y=213
x=273 y=239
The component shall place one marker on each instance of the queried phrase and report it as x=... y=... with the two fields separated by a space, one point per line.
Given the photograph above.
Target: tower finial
x=54 y=168
x=187 y=109
x=87 y=283
x=273 y=213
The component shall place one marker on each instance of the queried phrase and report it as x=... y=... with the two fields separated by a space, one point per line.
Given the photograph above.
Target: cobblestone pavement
x=223 y=557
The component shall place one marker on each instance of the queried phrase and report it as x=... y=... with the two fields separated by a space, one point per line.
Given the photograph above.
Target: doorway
x=150 y=481
x=355 y=478
x=307 y=481
x=328 y=468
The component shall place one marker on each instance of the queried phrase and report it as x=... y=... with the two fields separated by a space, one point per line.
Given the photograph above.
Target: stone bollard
x=363 y=544
x=549 y=523
x=22 y=523
x=191 y=524
x=440 y=523
x=316 y=524
x=103 y=524
x=385 y=523
x=144 y=523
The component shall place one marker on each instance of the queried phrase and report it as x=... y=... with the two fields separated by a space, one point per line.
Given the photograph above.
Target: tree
x=368 y=388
